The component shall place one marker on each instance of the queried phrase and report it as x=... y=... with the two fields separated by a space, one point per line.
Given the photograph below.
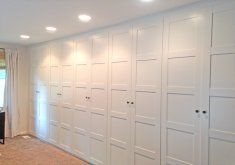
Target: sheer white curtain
x=11 y=94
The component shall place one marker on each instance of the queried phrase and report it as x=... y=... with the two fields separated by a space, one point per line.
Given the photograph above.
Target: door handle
x=204 y=112
x=197 y=111
x=59 y=94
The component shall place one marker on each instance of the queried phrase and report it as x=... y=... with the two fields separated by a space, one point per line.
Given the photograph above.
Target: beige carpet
x=20 y=151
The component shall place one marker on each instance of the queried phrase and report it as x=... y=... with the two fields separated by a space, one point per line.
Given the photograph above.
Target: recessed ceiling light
x=84 y=18
x=25 y=37
x=51 y=29
x=146 y=0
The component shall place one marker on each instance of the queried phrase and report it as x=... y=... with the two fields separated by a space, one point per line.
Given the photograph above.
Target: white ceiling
x=32 y=16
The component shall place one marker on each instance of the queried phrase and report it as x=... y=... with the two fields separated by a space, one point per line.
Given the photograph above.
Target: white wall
x=23 y=85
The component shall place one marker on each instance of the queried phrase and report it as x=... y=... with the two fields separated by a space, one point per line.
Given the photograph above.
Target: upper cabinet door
x=146 y=93
x=222 y=87
x=119 y=96
x=223 y=38
x=182 y=83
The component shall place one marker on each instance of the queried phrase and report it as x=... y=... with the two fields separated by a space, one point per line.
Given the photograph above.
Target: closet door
x=182 y=84
x=98 y=99
x=82 y=98
x=34 y=93
x=66 y=93
x=221 y=112
x=146 y=102
x=119 y=95
x=54 y=89
x=42 y=91
x=39 y=83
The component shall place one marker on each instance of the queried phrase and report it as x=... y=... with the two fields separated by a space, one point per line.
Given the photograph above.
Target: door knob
x=127 y=102
x=197 y=111
x=132 y=102
x=204 y=112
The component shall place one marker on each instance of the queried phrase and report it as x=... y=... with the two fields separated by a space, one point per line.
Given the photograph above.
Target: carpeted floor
x=20 y=151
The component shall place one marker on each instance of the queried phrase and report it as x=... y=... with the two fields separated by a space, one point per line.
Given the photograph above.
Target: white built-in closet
x=160 y=90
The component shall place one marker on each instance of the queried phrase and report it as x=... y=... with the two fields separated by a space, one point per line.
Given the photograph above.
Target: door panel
x=54 y=87
x=221 y=143
x=180 y=147
x=98 y=102
x=118 y=155
x=53 y=133
x=218 y=147
x=223 y=38
x=82 y=84
x=43 y=119
x=97 y=151
x=178 y=105
x=182 y=87
x=42 y=90
x=146 y=93
x=119 y=95
x=66 y=93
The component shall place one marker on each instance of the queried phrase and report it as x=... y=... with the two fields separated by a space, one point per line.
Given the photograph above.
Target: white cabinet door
x=33 y=91
x=54 y=89
x=43 y=81
x=120 y=96
x=146 y=93
x=98 y=99
x=182 y=83
x=34 y=108
x=39 y=75
x=81 y=101
x=66 y=93
x=220 y=117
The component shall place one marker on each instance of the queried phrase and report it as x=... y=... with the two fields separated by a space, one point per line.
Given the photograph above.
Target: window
x=2 y=76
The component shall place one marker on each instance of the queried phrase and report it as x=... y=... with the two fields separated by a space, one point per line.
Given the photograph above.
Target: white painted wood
x=182 y=85
x=82 y=85
x=223 y=38
x=90 y=110
x=33 y=92
x=43 y=91
x=98 y=99
x=119 y=95
x=66 y=93
x=146 y=93
x=54 y=87
x=39 y=95
x=220 y=118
